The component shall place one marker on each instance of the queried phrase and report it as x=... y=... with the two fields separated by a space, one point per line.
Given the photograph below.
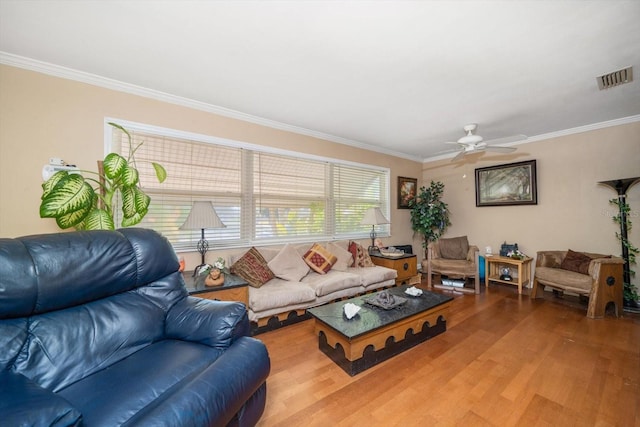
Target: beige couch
x=596 y=276
x=280 y=300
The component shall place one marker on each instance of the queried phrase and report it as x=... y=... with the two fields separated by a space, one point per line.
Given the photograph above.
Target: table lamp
x=373 y=217
x=202 y=216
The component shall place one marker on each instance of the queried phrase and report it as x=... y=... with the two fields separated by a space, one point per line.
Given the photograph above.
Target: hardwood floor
x=505 y=360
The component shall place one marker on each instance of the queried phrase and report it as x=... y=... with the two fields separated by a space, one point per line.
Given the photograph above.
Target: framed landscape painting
x=407 y=188
x=507 y=185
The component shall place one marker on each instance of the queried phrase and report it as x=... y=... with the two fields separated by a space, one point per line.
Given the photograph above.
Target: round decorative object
x=505 y=273
x=214 y=278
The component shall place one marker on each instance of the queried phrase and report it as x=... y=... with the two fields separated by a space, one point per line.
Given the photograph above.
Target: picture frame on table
x=507 y=185
x=407 y=190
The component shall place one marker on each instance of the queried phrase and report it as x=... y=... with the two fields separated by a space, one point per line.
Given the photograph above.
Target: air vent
x=616 y=78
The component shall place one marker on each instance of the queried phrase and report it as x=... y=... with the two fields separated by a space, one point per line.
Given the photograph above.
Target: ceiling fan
x=472 y=143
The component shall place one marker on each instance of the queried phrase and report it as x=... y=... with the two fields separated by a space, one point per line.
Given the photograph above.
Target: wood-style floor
x=505 y=360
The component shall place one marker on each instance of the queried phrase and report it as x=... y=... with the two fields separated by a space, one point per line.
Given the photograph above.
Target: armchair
x=453 y=258
x=598 y=277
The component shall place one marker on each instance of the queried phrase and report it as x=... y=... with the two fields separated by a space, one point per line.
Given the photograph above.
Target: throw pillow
x=360 y=255
x=253 y=268
x=576 y=261
x=288 y=264
x=454 y=248
x=345 y=259
x=319 y=259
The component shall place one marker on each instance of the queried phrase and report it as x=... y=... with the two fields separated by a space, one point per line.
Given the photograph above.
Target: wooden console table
x=494 y=263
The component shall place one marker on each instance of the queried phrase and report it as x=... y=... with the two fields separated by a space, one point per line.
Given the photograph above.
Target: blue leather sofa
x=97 y=329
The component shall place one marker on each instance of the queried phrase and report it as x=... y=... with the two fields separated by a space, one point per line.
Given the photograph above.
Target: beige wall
x=43 y=116
x=573 y=211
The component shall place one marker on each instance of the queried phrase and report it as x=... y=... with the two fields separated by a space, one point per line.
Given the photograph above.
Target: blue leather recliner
x=97 y=329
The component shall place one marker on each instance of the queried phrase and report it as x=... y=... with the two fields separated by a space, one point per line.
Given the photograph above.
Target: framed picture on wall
x=407 y=188
x=507 y=185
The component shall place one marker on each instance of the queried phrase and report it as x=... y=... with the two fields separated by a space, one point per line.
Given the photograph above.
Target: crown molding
x=96 y=80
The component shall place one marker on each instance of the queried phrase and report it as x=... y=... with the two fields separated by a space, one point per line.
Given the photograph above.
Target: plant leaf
x=128 y=201
x=71 y=193
x=141 y=200
x=161 y=172
x=114 y=165
x=117 y=126
x=129 y=176
x=50 y=184
x=128 y=222
x=74 y=218
x=99 y=219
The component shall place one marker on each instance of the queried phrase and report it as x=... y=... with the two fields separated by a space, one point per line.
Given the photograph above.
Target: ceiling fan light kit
x=473 y=142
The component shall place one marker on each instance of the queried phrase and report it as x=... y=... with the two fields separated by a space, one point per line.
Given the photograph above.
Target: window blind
x=261 y=197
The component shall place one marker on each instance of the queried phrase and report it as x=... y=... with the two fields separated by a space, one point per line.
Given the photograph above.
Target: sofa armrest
x=23 y=402
x=594 y=265
x=473 y=254
x=213 y=323
x=433 y=250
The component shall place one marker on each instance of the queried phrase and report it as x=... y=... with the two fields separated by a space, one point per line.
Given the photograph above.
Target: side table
x=234 y=288
x=406 y=265
x=494 y=263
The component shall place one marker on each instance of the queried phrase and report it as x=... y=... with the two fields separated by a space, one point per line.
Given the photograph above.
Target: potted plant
x=429 y=214
x=87 y=203
x=631 y=298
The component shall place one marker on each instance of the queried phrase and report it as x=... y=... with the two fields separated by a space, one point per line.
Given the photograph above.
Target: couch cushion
x=279 y=293
x=576 y=261
x=141 y=378
x=453 y=267
x=288 y=264
x=319 y=259
x=566 y=278
x=324 y=284
x=454 y=248
x=371 y=275
x=253 y=268
x=345 y=259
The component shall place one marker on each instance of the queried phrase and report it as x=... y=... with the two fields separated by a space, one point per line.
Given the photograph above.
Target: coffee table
x=375 y=334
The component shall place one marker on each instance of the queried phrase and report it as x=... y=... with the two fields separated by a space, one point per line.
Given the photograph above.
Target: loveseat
x=288 y=285
x=596 y=276
x=97 y=329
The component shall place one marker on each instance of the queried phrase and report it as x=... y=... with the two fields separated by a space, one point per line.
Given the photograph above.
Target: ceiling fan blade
x=506 y=139
x=459 y=155
x=500 y=149
x=451 y=142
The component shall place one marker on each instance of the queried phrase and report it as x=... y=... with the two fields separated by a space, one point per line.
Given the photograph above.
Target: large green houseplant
x=429 y=214
x=88 y=203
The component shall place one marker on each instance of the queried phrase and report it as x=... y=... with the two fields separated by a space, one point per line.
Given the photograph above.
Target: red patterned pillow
x=253 y=268
x=319 y=259
x=360 y=256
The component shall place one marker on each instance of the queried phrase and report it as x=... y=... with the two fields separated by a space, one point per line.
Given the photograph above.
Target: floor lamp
x=373 y=217
x=202 y=216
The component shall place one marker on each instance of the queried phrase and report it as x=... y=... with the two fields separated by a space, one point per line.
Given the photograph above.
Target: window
x=261 y=195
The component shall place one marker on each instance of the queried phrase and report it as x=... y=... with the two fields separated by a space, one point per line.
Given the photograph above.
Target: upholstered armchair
x=453 y=258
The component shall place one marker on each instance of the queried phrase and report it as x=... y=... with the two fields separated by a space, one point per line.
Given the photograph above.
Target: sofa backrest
x=74 y=303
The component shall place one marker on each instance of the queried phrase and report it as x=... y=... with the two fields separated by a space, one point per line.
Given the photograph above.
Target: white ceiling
x=398 y=76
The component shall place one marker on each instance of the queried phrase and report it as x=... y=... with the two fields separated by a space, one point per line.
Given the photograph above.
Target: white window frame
x=248 y=202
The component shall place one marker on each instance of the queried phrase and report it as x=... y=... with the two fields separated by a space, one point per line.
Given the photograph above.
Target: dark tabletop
x=195 y=285
x=370 y=317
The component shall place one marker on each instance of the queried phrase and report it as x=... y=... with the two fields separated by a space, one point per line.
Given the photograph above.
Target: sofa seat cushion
x=453 y=267
x=332 y=281
x=278 y=293
x=372 y=275
x=568 y=279
x=141 y=378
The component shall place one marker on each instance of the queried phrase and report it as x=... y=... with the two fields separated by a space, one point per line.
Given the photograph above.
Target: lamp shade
x=202 y=215
x=374 y=216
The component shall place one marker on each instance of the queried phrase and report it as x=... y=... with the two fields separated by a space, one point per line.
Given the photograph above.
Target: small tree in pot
x=429 y=214
x=87 y=203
